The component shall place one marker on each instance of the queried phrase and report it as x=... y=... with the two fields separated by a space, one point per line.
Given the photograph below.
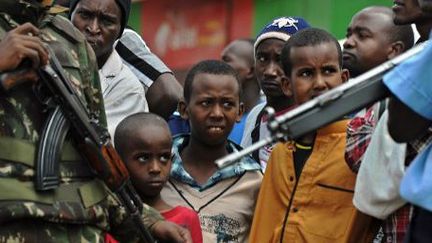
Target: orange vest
x=315 y=208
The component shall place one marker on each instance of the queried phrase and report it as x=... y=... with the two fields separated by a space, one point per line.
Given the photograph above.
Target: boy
x=307 y=182
x=144 y=143
x=224 y=199
x=268 y=46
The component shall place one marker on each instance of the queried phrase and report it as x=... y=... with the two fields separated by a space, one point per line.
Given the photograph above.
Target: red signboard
x=182 y=32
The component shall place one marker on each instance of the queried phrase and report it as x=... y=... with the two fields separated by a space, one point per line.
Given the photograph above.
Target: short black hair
x=307 y=37
x=129 y=126
x=210 y=67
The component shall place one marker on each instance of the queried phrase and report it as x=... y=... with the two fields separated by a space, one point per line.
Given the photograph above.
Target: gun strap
x=86 y=193
x=23 y=151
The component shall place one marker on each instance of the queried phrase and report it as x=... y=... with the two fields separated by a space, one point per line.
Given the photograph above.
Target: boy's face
x=213 y=108
x=148 y=159
x=315 y=70
x=268 y=67
x=367 y=44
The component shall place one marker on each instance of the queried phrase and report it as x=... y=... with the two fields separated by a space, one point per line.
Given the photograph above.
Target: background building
x=183 y=32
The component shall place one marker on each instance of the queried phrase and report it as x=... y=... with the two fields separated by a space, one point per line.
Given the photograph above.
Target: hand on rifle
x=19 y=45
x=170 y=232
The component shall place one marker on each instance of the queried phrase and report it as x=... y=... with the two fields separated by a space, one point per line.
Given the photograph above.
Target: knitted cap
x=124 y=8
x=281 y=28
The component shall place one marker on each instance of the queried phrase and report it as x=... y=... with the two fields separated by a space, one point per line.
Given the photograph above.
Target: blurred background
x=183 y=32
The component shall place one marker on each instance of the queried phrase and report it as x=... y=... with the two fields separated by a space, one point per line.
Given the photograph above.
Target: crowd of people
x=362 y=178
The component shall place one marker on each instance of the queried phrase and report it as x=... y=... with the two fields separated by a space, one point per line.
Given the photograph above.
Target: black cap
x=124 y=8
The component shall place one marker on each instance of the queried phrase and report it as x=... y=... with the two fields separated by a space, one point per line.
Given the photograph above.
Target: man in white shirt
x=102 y=23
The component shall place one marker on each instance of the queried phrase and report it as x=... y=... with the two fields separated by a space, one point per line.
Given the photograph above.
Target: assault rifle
x=98 y=150
x=357 y=93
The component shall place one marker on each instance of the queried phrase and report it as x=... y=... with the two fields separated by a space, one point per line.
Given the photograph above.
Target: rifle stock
x=326 y=108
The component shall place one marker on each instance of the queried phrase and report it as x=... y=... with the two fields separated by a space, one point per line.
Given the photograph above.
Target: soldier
x=81 y=208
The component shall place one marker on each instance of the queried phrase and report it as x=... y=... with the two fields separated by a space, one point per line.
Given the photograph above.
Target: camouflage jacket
x=80 y=198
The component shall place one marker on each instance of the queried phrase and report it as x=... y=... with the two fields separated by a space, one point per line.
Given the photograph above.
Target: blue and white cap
x=281 y=28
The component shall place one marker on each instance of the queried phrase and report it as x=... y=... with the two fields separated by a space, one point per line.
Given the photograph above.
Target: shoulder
x=131 y=38
x=64 y=26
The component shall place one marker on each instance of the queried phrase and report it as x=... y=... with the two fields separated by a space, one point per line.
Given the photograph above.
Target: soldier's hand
x=170 y=232
x=22 y=43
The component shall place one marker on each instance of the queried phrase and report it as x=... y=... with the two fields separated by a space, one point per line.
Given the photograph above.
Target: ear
x=396 y=48
x=251 y=72
x=240 y=112
x=287 y=87
x=183 y=109
x=345 y=75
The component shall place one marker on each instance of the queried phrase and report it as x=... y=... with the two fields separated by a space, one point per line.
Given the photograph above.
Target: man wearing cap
x=268 y=47
x=102 y=23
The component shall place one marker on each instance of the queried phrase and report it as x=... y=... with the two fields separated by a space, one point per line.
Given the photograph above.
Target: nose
x=93 y=26
x=154 y=167
x=273 y=69
x=349 y=42
x=217 y=111
x=320 y=84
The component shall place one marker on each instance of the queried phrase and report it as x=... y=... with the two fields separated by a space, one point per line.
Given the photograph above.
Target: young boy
x=307 y=190
x=144 y=143
x=224 y=199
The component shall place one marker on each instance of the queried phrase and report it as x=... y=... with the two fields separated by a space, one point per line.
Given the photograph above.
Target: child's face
x=213 y=107
x=149 y=159
x=268 y=67
x=315 y=70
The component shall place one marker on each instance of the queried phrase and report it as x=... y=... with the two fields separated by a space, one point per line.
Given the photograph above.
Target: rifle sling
x=23 y=151
x=87 y=193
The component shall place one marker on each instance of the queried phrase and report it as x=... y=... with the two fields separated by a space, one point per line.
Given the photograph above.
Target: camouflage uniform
x=81 y=208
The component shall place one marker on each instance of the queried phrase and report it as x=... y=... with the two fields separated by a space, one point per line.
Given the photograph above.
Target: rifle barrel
x=357 y=93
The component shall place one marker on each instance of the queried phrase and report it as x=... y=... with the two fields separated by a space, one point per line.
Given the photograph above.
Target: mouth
x=347 y=56
x=155 y=183
x=92 y=41
x=215 y=129
x=317 y=94
x=270 y=84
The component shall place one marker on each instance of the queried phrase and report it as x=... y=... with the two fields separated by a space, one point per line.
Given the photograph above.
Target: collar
x=247 y=163
x=335 y=127
x=112 y=66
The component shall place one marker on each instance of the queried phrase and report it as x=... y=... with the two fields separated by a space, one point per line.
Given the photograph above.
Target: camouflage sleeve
x=122 y=225
x=94 y=91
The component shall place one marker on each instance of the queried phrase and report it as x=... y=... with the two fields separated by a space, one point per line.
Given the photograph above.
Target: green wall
x=332 y=15
x=135 y=17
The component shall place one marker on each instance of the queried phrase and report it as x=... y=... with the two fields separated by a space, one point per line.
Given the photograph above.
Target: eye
x=305 y=73
x=228 y=104
x=84 y=14
x=108 y=21
x=363 y=34
x=329 y=70
x=165 y=158
x=205 y=103
x=143 y=158
x=261 y=58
